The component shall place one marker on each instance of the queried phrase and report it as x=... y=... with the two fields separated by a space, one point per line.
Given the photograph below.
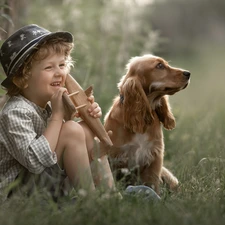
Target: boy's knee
x=73 y=129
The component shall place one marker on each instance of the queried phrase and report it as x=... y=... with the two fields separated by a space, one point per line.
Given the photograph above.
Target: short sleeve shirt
x=22 y=143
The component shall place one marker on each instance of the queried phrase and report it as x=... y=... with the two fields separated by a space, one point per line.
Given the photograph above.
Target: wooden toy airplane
x=77 y=100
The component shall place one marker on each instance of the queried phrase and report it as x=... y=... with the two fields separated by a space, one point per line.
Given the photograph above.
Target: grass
x=195 y=152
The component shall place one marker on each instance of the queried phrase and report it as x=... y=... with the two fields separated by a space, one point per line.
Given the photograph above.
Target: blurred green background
x=189 y=34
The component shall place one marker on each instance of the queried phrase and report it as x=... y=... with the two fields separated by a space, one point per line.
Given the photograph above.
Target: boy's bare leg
x=101 y=170
x=103 y=174
x=73 y=156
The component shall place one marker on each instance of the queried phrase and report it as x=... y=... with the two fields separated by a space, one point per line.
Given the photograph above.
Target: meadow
x=195 y=152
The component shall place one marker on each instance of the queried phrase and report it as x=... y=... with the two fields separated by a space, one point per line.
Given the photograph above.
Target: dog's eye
x=160 y=66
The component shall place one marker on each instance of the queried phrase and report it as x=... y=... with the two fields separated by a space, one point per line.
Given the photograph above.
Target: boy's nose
x=59 y=71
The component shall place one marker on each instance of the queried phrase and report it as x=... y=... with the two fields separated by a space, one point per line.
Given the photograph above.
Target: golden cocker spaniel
x=137 y=115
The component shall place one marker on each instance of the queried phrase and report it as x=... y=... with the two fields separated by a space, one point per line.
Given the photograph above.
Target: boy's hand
x=94 y=110
x=57 y=104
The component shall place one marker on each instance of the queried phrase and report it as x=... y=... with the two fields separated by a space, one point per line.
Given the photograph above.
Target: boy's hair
x=56 y=45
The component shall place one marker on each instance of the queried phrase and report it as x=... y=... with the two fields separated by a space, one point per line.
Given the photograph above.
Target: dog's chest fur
x=140 y=150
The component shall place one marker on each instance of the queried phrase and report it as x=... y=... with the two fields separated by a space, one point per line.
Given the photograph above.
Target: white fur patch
x=140 y=150
x=144 y=151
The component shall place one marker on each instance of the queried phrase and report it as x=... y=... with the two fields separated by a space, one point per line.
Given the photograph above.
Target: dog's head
x=156 y=75
x=148 y=79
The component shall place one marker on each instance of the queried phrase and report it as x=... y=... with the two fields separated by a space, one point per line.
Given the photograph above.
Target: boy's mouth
x=55 y=84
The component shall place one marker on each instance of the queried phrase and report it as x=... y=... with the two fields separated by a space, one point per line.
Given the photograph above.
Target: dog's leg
x=150 y=175
x=169 y=179
x=151 y=179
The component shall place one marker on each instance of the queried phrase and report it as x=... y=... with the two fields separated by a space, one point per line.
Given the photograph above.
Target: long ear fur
x=136 y=109
x=165 y=114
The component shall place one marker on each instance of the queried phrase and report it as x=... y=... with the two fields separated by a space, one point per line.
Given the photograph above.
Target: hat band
x=22 y=52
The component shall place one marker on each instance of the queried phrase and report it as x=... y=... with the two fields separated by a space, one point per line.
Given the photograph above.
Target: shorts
x=52 y=180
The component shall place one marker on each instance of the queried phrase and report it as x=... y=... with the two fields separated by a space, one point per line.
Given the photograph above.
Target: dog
x=137 y=115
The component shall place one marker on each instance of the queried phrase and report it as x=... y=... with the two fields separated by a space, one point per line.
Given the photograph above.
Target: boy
x=37 y=147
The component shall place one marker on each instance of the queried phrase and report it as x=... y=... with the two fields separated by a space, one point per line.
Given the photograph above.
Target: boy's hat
x=20 y=45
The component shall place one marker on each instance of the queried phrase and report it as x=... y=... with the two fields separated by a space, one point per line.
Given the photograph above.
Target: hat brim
x=68 y=37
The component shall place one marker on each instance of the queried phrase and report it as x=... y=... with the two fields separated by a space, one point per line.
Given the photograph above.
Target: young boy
x=38 y=149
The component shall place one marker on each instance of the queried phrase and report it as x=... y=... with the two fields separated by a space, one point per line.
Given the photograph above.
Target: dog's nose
x=186 y=73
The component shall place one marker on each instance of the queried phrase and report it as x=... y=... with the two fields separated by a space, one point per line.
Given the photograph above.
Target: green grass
x=195 y=152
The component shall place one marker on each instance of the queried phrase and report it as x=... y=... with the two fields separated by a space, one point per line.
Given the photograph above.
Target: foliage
x=3 y=17
x=184 y=23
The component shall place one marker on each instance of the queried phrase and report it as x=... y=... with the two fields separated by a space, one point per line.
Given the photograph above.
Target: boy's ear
x=16 y=82
x=25 y=86
x=19 y=83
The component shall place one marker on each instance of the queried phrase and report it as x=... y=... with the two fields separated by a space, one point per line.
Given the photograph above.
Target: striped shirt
x=22 y=143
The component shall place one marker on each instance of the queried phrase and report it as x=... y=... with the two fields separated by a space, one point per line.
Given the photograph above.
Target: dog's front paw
x=174 y=183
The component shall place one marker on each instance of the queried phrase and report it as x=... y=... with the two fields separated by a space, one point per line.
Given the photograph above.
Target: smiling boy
x=38 y=149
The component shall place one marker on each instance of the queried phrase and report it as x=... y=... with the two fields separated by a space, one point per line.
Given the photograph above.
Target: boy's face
x=47 y=76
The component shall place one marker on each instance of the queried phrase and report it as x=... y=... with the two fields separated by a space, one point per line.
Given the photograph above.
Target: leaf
x=5 y=6
x=7 y=17
x=3 y=30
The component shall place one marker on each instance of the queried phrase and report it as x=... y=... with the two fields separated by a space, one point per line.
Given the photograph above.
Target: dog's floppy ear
x=136 y=109
x=165 y=114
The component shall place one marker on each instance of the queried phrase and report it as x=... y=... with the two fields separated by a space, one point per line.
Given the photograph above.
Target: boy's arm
x=27 y=145
x=52 y=131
